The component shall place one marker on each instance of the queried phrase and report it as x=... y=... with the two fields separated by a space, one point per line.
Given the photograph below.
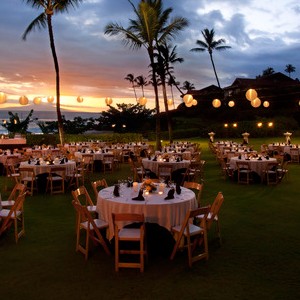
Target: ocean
x=42 y=116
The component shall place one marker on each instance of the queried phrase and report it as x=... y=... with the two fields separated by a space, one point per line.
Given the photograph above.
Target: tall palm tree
x=165 y=57
x=45 y=20
x=290 y=69
x=141 y=82
x=130 y=77
x=268 y=71
x=210 y=44
x=150 y=28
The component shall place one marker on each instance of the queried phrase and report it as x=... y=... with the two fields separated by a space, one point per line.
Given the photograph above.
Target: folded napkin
x=29 y=161
x=116 y=190
x=170 y=194
x=129 y=183
x=37 y=163
x=140 y=196
x=178 y=189
x=155 y=159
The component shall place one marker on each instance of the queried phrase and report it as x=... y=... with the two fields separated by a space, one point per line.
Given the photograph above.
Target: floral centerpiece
x=148 y=185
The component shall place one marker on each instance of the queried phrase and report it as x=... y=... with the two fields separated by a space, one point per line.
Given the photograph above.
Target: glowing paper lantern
x=189 y=104
x=216 y=103
x=23 y=100
x=256 y=102
x=188 y=98
x=142 y=100
x=3 y=97
x=251 y=94
x=108 y=101
x=266 y=104
x=50 y=99
x=170 y=101
x=79 y=99
x=37 y=100
x=194 y=102
x=231 y=103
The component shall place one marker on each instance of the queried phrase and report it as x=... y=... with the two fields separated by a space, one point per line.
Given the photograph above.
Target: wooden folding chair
x=193 y=235
x=98 y=185
x=131 y=235
x=28 y=177
x=195 y=186
x=56 y=180
x=213 y=215
x=14 y=215
x=82 y=196
x=18 y=189
x=92 y=227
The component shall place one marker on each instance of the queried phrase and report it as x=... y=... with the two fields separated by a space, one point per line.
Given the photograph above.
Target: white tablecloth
x=256 y=165
x=153 y=165
x=166 y=213
x=44 y=168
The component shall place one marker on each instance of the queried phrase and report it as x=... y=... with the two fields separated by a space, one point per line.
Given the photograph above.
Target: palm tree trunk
x=169 y=119
x=59 y=116
x=212 y=61
x=157 y=116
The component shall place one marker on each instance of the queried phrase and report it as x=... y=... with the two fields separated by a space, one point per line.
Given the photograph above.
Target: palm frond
x=39 y=23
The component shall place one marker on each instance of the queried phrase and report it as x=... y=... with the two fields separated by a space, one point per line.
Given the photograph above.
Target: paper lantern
x=3 y=97
x=266 y=104
x=189 y=104
x=188 y=98
x=194 y=102
x=216 y=103
x=23 y=100
x=79 y=99
x=37 y=100
x=50 y=99
x=231 y=103
x=256 y=102
x=108 y=101
x=142 y=100
x=251 y=94
x=170 y=101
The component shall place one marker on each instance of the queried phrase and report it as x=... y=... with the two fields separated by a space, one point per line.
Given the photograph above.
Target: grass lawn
x=259 y=257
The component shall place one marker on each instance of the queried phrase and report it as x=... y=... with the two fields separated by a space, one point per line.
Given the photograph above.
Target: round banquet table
x=44 y=168
x=153 y=165
x=258 y=166
x=156 y=209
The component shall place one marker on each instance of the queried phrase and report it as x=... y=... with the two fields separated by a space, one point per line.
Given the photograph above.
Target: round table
x=153 y=165
x=256 y=165
x=156 y=209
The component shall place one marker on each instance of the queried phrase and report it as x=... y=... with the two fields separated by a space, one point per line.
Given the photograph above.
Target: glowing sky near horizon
x=262 y=34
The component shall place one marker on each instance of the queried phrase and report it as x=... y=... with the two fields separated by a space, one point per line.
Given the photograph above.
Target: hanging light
x=170 y=101
x=189 y=104
x=108 y=101
x=194 y=102
x=3 y=97
x=266 y=104
x=187 y=99
x=79 y=99
x=251 y=94
x=256 y=102
x=142 y=100
x=216 y=103
x=50 y=99
x=231 y=103
x=23 y=100
x=37 y=100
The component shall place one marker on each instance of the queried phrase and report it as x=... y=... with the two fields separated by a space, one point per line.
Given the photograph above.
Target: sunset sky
x=262 y=34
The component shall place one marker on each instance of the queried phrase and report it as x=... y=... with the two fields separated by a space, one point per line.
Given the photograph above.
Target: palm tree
x=131 y=79
x=187 y=86
x=268 y=71
x=141 y=81
x=149 y=29
x=45 y=20
x=165 y=57
x=210 y=44
x=290 y=69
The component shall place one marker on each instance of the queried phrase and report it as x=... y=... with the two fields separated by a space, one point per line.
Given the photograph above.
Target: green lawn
x=259 y=257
